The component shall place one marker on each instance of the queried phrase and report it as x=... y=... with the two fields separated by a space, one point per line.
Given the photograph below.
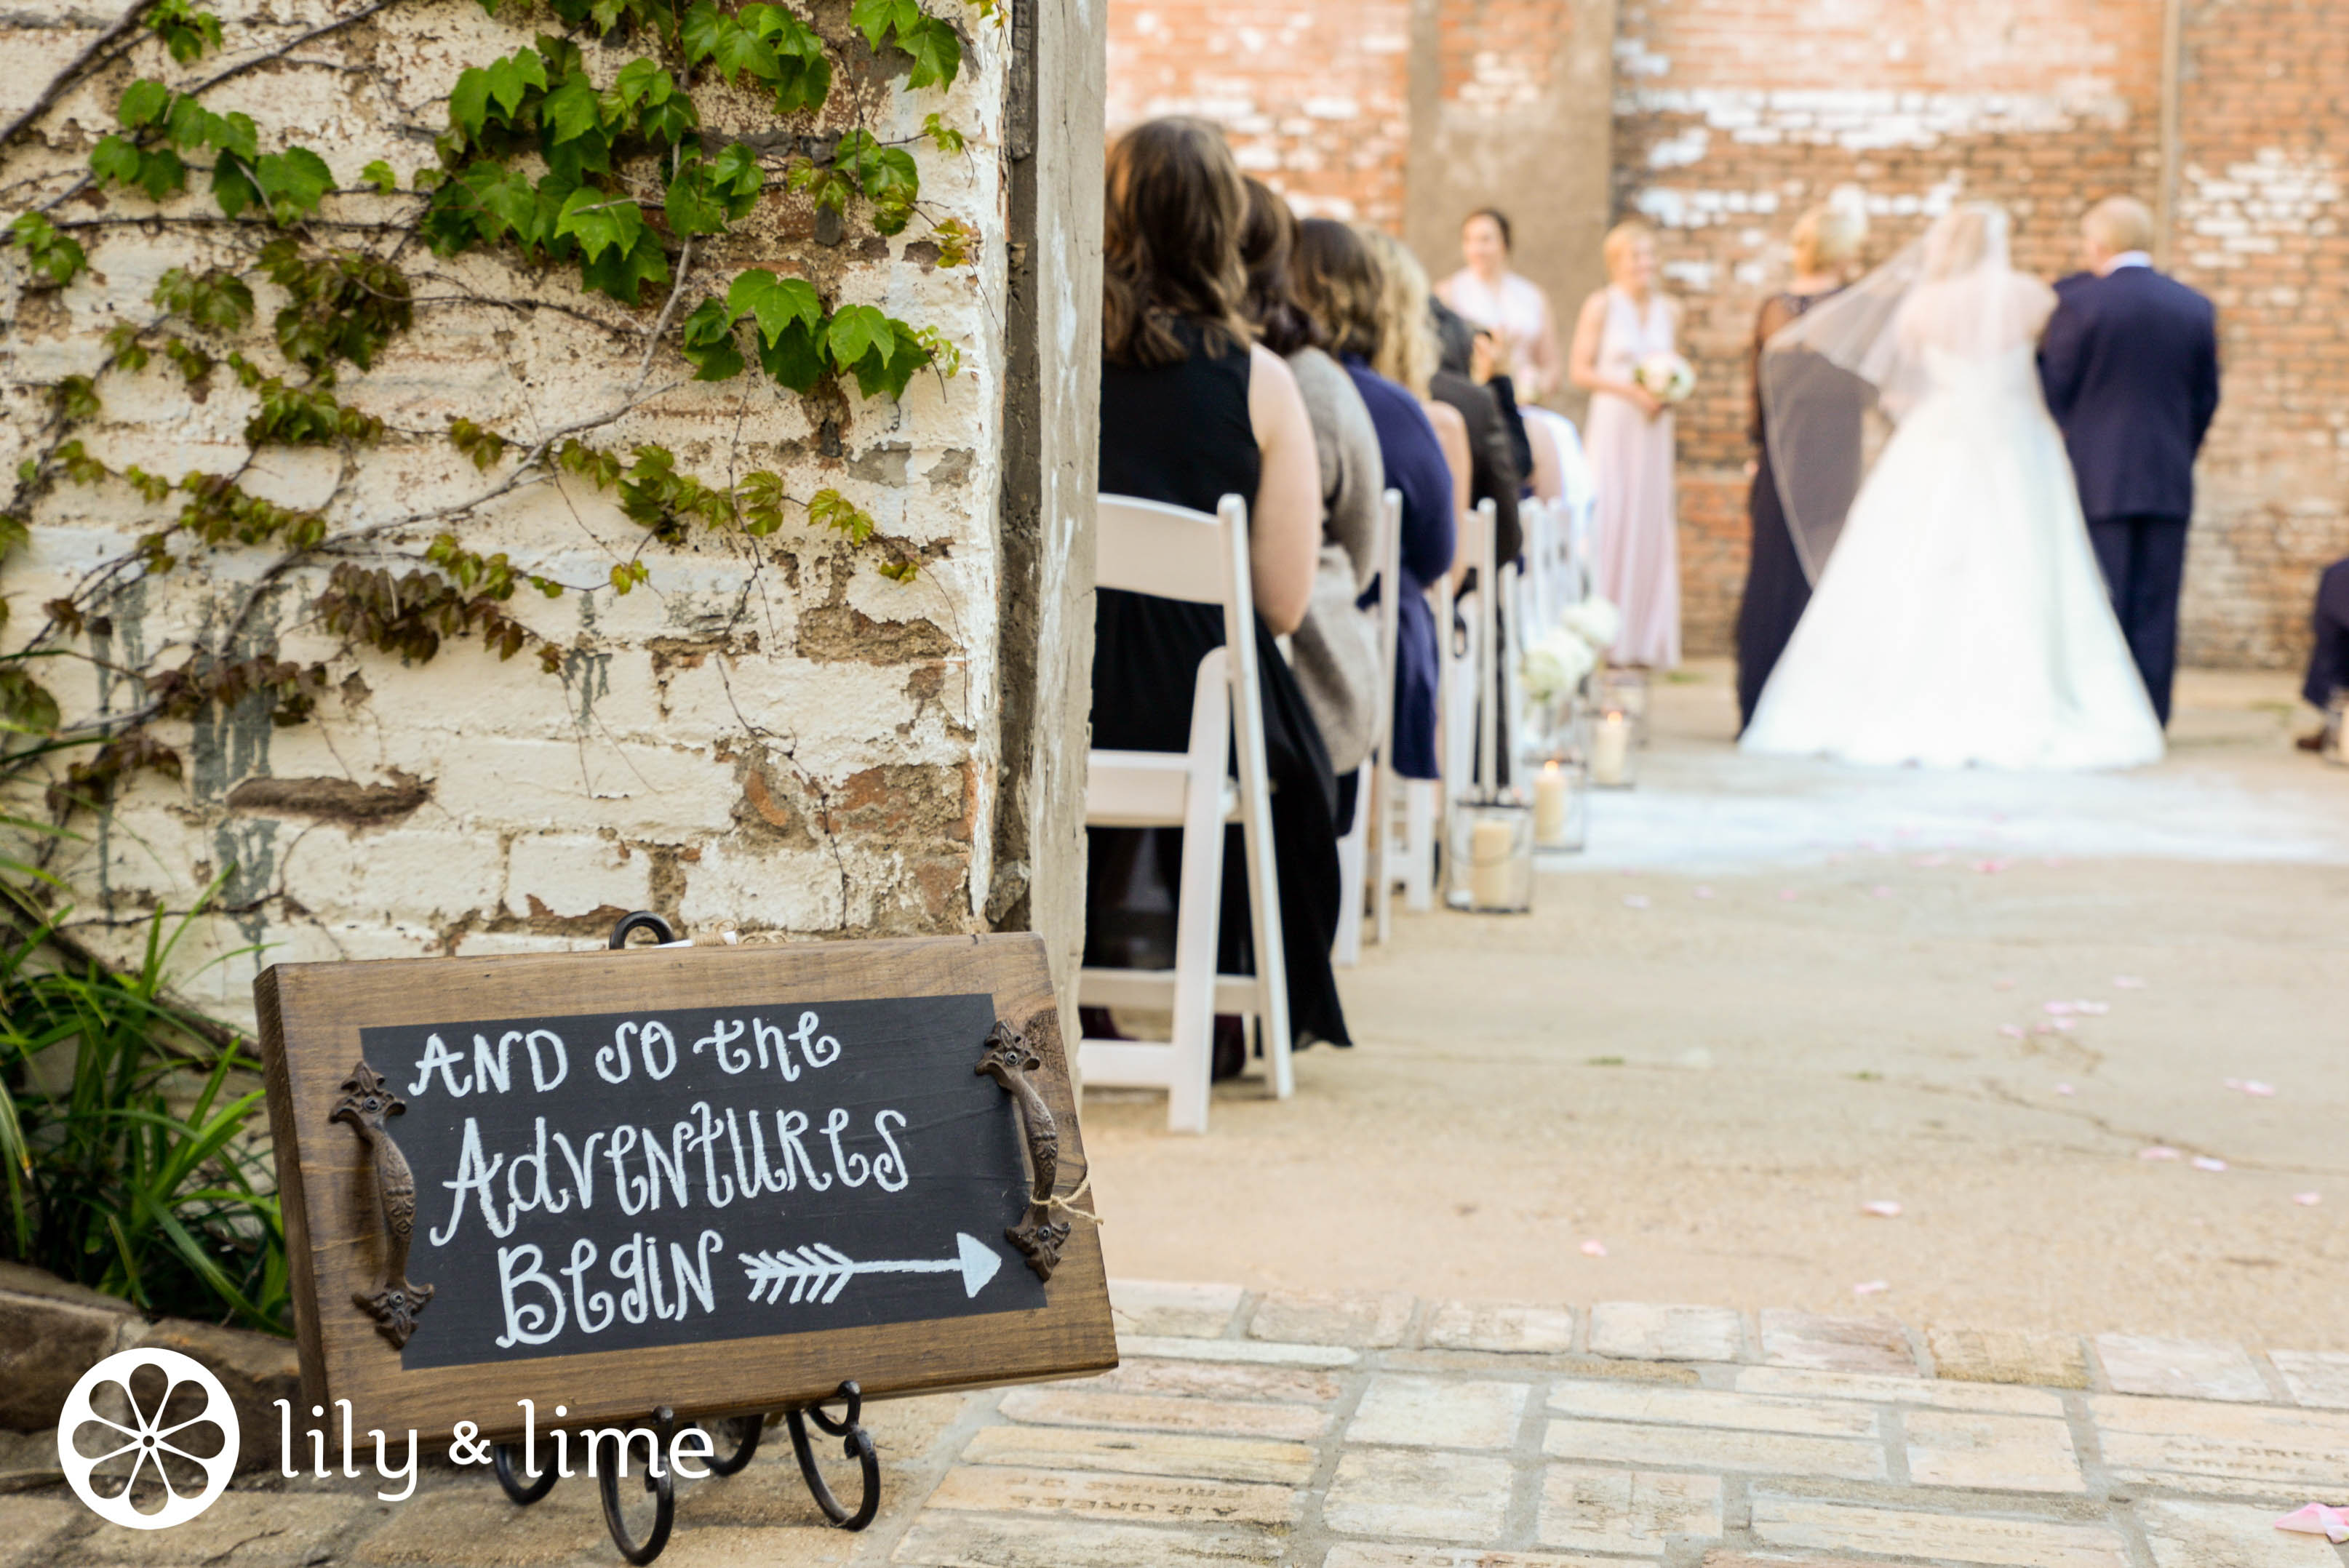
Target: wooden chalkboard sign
x=718 y=1179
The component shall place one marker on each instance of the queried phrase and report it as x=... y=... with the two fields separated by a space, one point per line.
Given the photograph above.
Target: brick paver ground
x=1379 y=1431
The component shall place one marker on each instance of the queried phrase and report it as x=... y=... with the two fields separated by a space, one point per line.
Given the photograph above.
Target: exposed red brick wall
x=1314 y=94
x=1495 y=55
x=1733 y=115
x=2265 y=122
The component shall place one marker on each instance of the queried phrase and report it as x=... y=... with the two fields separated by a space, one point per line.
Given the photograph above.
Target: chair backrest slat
x=1152 y=547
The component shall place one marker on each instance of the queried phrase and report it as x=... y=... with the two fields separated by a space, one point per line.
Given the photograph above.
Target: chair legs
x=1354 y=850
x=1420 y=802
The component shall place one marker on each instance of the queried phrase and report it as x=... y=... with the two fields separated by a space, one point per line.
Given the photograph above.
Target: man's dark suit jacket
x=2130 y=365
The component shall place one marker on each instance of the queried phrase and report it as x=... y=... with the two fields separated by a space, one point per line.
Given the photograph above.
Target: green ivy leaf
x=144 y=102
x=600 y=222
x=161 y=174
x=936 y=51
x=856 y=330
x=233 y=186
x=190 y=124
x=116 y=161
x=623 y=276
x=380 y=175
x=945 y=138
x=469 y=101
x=294 y=181
x=877 y=19
x=707 y=341
x=235 y=132
x=804 y=84
x=46 y=250
x=690 y=207
x=642 y=80
x=571 y=111
x=777 y=303
x=794 y=357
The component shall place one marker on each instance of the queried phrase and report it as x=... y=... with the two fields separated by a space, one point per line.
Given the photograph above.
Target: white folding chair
x=1389 y=861
x=1575 y=510
x=1471 y=669
x=1148 y=547
x=1356 y=848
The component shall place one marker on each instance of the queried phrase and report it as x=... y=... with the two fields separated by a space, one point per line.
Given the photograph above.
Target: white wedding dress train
x=1961 y=618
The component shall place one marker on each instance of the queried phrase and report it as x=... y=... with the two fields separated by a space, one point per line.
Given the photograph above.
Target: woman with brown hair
x=1341 y=286
x=1193 y=410
x=1336 y=649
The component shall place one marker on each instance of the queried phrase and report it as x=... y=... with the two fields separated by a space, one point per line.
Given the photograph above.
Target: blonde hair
x=1620 y=239
x=2119 y=224
x=1408 y=352
x=1827 y=237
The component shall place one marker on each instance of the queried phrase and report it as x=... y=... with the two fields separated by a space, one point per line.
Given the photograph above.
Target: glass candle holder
x=1489 y=866
x=1613 y=734
x=1626 y=691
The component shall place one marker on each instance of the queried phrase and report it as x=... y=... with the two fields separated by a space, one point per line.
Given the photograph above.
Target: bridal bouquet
x=1665 y=378
x=1557 y=665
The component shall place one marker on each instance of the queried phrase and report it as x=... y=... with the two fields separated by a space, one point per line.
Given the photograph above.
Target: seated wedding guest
x=1336 y=649
x=1488 y=293
x=1823 y=408
x=2328 y=660
x=1339 y=284
x=1191 y=412
x=1408 y=355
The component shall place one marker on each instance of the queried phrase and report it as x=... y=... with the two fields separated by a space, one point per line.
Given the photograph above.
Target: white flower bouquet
x=1665 y=378
x=1557 y=665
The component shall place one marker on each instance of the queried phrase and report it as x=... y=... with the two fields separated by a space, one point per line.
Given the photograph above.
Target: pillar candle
x=1489 y=864
x=1611 y=750
x=1549 y=804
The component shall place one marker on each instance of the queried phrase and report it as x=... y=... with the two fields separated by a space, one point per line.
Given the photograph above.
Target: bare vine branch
x=63 y=82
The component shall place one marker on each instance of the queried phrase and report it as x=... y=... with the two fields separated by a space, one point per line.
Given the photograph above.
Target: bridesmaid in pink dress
x=1628 y=437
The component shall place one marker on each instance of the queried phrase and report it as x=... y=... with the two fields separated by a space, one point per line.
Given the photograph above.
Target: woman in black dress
x=1826 y=244
x=1192 y=411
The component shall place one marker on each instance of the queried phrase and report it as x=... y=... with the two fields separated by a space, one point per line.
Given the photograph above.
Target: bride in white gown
x=1960 y=617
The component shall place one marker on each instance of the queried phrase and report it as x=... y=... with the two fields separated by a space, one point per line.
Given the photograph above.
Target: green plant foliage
x=880 y=351
x=126 y=1141
x=46 y=250
x=186 y=32
x=936 y=48
x=215 y=301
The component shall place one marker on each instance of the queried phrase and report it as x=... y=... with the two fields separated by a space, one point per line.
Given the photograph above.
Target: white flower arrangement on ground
x=1666 y=377
x=1557 y=665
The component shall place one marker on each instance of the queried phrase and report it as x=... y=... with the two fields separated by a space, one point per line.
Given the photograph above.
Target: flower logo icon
x=123 y=1435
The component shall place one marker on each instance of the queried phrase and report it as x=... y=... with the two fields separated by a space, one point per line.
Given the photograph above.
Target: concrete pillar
x=1051 y=412
x=1512 y=107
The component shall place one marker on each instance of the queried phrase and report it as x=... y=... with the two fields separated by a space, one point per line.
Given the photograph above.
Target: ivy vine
x=606 y=171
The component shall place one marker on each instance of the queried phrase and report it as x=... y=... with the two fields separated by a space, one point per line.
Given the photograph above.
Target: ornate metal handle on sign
x=1007 y=1060
x=395 y=1302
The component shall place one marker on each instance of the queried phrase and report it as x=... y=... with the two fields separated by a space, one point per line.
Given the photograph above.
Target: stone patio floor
x=1382 y=1432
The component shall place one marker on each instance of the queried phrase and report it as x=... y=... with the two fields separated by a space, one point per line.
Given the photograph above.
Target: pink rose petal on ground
x=2259 y=1091
x=1879 y=891
x=1594 y=1249
x=1786 y=896
x=1871 y=1287
x=2093 y=1009
x=1704 y=892
x=2316 y=1519
x=2063 y=1025
x=2065 y=1089
x=1882 y=1207
x=2061 y=1009
x=2127 y=983
x=2308 y=1200
x=1992 y=867
x=1635 y=901
x=2012 y=1031
x=2157 y=1152
x=2204 y=1162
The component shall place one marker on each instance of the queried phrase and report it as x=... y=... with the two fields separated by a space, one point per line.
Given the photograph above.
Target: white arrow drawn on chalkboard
x=817 y=1272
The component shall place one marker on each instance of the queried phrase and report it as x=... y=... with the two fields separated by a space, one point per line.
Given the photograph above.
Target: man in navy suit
x=2130 y=364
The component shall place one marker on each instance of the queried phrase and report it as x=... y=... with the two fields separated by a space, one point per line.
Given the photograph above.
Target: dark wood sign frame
x=338 y=1242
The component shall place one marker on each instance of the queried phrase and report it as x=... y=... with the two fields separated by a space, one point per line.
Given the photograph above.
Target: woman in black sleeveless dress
x=1826 y=244
x=1191 y=413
